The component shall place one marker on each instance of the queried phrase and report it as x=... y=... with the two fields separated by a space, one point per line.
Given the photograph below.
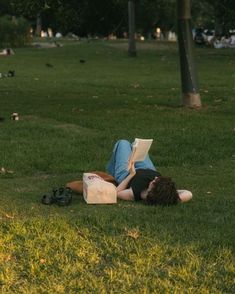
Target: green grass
x=70 y=117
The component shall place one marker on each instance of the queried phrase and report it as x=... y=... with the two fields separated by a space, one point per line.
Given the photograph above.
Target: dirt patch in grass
x=151 y=45
x=56 y=124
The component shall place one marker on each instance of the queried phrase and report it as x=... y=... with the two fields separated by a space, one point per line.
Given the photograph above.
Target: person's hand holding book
x=132 y=170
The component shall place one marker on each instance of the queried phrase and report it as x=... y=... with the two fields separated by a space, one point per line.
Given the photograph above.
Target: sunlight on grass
x=39 y=249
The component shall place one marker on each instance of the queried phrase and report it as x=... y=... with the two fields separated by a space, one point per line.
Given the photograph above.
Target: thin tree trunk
x=131 y=18
x=38 y=25
x=14 y=19
x=190 y=93
x=218 y=27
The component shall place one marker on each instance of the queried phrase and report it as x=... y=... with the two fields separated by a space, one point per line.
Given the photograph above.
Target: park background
x=71 y=113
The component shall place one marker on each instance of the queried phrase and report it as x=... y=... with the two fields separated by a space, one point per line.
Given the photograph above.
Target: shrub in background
x=14 y=32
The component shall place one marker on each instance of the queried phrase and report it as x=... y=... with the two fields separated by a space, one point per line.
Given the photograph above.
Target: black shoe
x=11 y=73
x=48 y=199
x=63 y=196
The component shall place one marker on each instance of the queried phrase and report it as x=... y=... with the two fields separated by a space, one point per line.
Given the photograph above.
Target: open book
x=140 y=149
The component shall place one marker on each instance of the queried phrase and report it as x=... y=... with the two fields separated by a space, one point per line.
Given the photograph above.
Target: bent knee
x=123 y=142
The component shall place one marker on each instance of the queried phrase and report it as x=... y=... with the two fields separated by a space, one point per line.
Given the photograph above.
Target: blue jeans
x=117 y=165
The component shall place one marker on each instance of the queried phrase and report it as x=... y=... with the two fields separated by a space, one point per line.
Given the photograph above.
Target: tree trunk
x=131 y=18
x=38 y=25
x=190 y=93
x=218 y=27
x=14 y=19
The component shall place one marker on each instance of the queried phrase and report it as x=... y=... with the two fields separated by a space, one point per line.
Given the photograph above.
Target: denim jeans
x=117 y=165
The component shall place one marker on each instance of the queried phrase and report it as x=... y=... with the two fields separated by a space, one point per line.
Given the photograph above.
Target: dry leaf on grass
x=133 y=233
x=4 y=171
x=8 y=216
x=7 y=258
x=136 y=85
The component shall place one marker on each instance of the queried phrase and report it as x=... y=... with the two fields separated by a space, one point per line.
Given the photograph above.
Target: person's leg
x=118 y=163
x=105 y=176
x=77 y=186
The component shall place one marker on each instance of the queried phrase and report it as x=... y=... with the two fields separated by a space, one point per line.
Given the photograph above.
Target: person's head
x=162 y=191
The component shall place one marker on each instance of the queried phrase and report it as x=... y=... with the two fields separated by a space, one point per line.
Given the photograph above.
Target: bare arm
x=126 y=194
x=185 y=195
x=122 y=191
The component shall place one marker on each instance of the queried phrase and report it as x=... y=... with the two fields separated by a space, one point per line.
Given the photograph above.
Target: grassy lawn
x=70 y=116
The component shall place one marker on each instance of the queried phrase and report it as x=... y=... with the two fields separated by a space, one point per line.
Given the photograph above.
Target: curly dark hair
x=163 y=192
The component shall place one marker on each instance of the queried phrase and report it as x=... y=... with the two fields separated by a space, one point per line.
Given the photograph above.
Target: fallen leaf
x=9 y=216
x=134 y=233
x=9 y=172
x=136 y=85
x=7 y=258
x=4 y=171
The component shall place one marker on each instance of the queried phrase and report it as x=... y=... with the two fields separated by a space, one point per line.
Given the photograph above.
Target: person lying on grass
x=141 y=182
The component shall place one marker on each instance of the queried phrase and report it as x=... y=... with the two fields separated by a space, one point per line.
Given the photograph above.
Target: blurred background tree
x=214 y=14
x=101 y=18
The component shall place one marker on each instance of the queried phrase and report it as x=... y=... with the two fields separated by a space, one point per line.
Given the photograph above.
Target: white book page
x=140 y=149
